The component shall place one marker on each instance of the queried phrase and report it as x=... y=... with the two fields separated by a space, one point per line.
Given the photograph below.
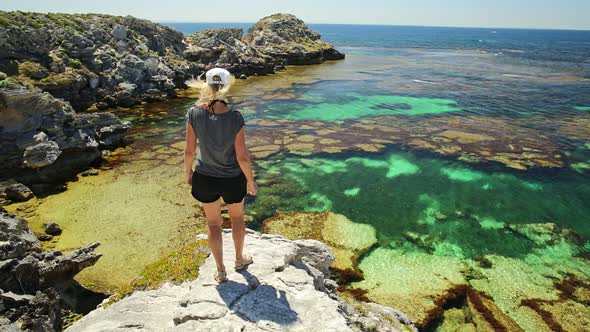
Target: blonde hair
x=209 y=92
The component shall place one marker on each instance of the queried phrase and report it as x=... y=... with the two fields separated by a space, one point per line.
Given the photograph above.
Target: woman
x=224 y=168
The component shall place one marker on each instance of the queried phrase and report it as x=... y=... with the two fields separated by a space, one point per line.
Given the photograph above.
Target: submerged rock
x=346 y=239
x=283 y=290
x=53 y=229
x=489 y=293
x=463 y=137
x=286 y=37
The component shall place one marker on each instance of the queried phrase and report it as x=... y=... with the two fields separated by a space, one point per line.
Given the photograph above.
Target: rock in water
x=53 y=229
x=283 y=290
x=286 y=37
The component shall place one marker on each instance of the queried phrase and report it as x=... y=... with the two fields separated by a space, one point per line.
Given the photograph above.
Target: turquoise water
x=400 y=192
x=353 y=105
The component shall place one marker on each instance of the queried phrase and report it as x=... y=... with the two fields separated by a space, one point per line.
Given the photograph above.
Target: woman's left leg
x=213 y=215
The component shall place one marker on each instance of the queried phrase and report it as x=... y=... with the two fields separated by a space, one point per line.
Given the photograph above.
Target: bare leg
x=213 y=215
x=238 y=228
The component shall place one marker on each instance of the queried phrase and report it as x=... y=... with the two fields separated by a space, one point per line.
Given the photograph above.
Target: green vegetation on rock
x=32 y=70
x=180 y=265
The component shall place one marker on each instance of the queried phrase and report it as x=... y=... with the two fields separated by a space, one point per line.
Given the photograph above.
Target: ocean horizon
x=172 y=23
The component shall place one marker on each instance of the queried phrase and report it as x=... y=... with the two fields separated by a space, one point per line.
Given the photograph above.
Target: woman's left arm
x=245 y=161
x=189 y=152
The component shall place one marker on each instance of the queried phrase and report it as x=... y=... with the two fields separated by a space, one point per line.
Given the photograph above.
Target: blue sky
x=557 y=14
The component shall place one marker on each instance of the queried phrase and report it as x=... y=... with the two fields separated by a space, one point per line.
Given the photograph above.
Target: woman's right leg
x=213 y=215
x=238 y=228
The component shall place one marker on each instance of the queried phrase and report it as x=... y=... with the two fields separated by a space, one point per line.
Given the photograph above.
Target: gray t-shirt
x=216 y=134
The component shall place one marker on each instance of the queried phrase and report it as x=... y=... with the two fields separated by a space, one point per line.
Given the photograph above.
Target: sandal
x=220 y=276
x=242 y=263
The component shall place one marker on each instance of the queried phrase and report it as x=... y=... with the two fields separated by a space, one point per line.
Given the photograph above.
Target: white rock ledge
x=285 y=289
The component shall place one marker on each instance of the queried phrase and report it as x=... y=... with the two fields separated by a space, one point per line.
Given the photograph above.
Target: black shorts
x=208 y=189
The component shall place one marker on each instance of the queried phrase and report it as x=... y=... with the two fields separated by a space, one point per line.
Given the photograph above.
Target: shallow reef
x=472 y=139
x=453 y=245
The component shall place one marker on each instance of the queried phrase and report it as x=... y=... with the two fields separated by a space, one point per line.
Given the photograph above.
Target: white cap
x=217 y=76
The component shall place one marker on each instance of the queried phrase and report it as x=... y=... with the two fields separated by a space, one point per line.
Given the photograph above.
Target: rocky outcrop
x=90 y=58
x=287 y=288
x=286 y=37
x=105 y=61
x=13 y=191
x=42 y=139
x=223 y=47
x=37 y=286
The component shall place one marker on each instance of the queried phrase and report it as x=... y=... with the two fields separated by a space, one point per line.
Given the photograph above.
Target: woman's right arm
x=189 y=152
x=245 y=161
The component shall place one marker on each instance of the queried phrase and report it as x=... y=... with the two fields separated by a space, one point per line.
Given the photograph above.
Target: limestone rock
x=41 y=154
x=83 y=58
x=346 y=239
x=275 y=293
x=119 y=32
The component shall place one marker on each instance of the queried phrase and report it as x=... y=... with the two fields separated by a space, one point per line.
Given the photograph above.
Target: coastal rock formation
x=36 y=286
x=223 y=47
x=286 y=37
x=91 y=58
x=42 y=139
x=106 y=61
x=12 y=191
x=287 y=288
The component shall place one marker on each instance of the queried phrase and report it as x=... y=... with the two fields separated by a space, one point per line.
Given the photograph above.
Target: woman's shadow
x=259 y=302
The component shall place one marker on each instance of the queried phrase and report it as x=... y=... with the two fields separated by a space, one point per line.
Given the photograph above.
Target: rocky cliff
x=287 y=288
x=37 y=289
x=43 y=140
